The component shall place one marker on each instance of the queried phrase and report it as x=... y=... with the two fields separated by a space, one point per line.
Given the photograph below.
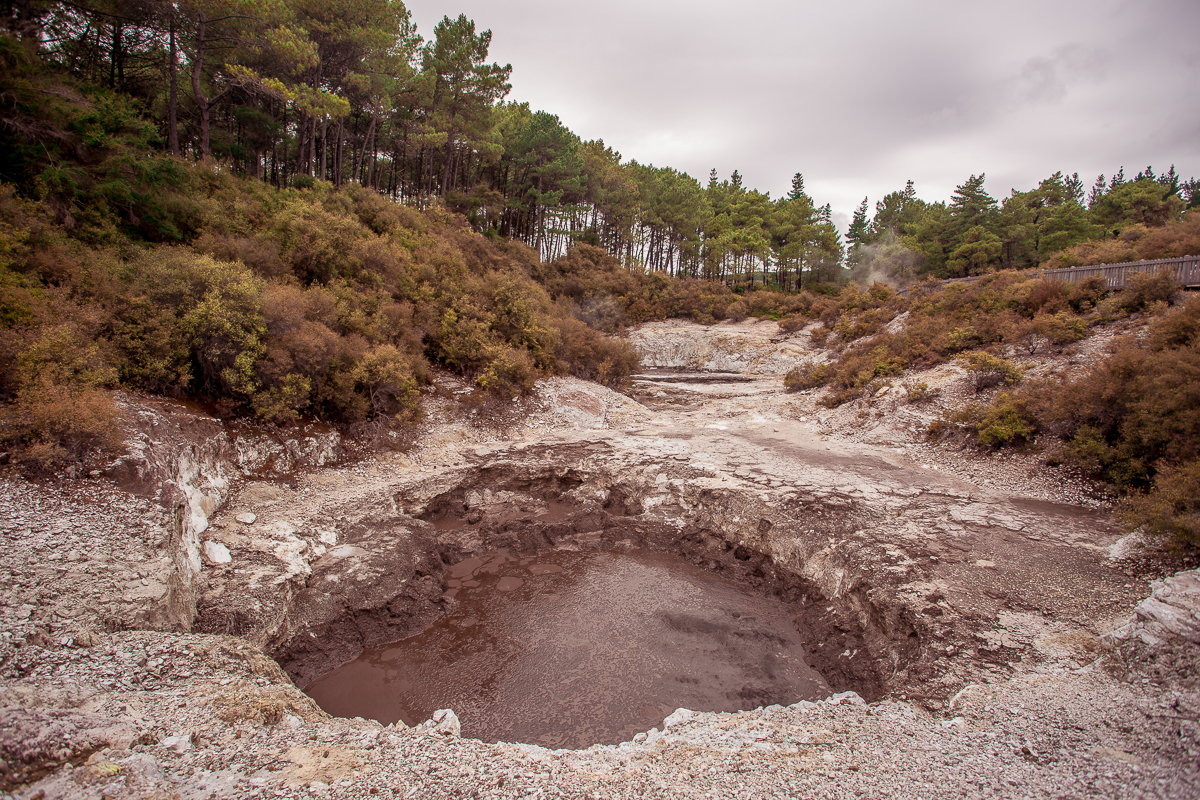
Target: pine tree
x=971 y=205
x=1189 y=190
x=857 y=233
x=735 y=180
x=895 y=212
x=1117 y=180
x=856 y=236
x=797 y=190
x=1075 y=188
x=1098 y=190
x=1171 y=181
x=974 y=218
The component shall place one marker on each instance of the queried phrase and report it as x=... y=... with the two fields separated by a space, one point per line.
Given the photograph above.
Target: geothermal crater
x=568 y=621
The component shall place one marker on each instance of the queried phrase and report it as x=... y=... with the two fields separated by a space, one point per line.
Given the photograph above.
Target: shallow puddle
x=570 y=649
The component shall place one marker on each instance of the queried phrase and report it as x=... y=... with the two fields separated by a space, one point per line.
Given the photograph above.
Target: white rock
x=677 y=716
x=844 y=698
x=247 y=518
x=443 y=721
x=180 y=744
x=217 y=553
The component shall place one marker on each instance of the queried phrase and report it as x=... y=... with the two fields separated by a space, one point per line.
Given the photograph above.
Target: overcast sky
x=861 y=95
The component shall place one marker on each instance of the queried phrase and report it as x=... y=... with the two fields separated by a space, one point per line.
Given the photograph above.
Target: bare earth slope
x=966 y=609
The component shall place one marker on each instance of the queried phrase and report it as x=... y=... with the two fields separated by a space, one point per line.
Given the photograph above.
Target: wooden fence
x=1186 y=270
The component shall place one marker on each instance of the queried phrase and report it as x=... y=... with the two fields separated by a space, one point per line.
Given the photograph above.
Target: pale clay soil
x=1036 y=678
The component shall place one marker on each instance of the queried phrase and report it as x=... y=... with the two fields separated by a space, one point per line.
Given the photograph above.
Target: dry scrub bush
x=1006 y=308
x=52 y=370
x=1058 y=329
x=819 y=335
x=389 y=379
x=260 y=253
x=585 y=353
x=809 y=375
x=1085 y=294
x=987 y=370
x=778 y=305
x=508 y=372
x=1042 y=296
x=792 y=323
x=59 y=411
x=853 y=374
x=920 y=393
x=1170 y=510
x=1004 y=421
x=382 y=215
x=191 y=318
x=601 y=313
x=1144 y=290
x=318 y=245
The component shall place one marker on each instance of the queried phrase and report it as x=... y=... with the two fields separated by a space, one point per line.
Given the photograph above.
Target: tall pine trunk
x=173 y=95
x=202 y=103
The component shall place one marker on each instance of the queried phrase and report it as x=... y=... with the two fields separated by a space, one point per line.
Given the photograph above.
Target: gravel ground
x=218 y=720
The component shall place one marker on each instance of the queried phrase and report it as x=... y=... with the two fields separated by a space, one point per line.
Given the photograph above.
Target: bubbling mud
x=572 y=648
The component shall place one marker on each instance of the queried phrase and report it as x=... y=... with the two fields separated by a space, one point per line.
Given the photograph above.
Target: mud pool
x=573 y=648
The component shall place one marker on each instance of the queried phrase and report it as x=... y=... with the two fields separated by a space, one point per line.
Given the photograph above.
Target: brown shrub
x=792 y=323
x=507 y=372
x=819 y=335
x=1179 y=328
x=1059 y=329
x=1085 y=294
x=389 y=379
x=1045 y=296
x=318 y=245
x=809 y=375
x=1135 y=411
x=1170 y=509
x=1177 y=238
x=259 y=252
x=1143 y=289
x=602 y=313
x=987 y=370
x=60 y=411
x=585 y=353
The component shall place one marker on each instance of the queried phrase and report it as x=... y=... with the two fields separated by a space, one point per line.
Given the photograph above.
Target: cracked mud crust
x=156 y=618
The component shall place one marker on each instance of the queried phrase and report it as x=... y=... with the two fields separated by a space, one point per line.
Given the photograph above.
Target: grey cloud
x=861 y=96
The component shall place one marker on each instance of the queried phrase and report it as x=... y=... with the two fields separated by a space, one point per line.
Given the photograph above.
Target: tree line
x=347 y=91
x=974 y=233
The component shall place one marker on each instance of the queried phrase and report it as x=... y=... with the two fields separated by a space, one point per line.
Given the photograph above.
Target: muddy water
x=569 y=649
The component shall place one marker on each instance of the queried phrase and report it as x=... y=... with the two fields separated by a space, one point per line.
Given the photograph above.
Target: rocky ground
x=974 y=601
